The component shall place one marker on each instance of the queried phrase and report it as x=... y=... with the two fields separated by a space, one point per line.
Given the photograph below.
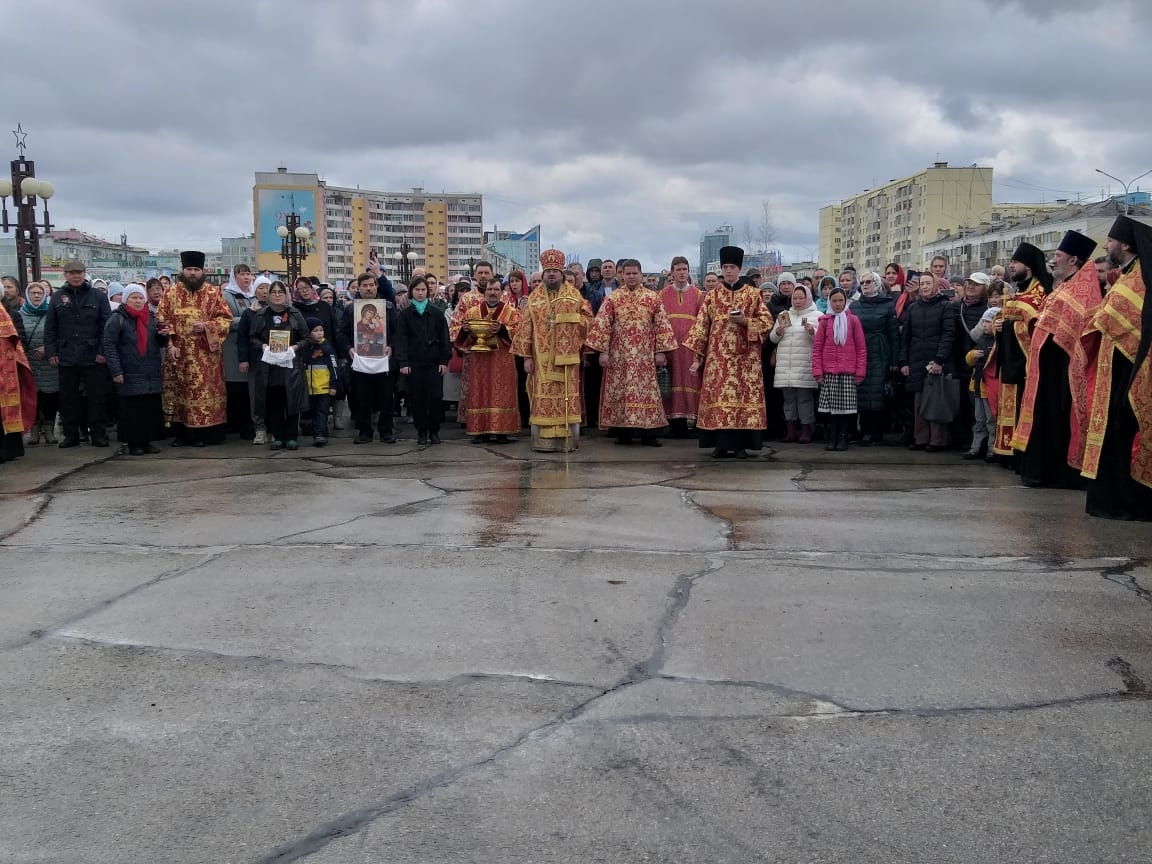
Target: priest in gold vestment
x=197 y=319
x=553 y=327
x=1118 y=451
x=726 y=339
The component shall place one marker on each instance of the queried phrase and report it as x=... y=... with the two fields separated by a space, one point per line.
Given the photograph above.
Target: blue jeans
x=319 y=407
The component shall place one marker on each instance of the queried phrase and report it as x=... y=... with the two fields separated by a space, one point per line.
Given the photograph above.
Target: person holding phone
x=793 y=335
x=384 y=287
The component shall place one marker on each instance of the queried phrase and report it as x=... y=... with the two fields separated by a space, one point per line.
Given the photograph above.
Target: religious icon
x=371 y=336
x=279 y=341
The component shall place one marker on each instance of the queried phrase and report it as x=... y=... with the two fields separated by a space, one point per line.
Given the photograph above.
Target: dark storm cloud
x=620 y=126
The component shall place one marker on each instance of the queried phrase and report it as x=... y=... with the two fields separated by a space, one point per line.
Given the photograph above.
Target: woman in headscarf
x=894 y=279
x=32 y=312
x=839 y=362
x=285 y=392
x=905 y=289
x=249 y=359
x=793 y=334
x=876 y=310
x=134 y=350
x=827 y=283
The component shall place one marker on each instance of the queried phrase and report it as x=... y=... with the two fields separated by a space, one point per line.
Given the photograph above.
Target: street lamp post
x=1125 y=185
x=293 y=245
x=25 y=188
x=404 y=261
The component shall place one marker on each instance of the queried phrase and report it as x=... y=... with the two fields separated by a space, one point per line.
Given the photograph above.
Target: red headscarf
x=901 y=276
x=141 y=319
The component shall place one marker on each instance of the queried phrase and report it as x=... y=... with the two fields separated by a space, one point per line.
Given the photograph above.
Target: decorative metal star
x=20 y=136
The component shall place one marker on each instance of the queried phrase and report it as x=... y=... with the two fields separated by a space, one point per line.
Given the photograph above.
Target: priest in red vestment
x=633 y=336
x=493 y=410
x=682 y=304
x=1049 y=434
x=482 y=274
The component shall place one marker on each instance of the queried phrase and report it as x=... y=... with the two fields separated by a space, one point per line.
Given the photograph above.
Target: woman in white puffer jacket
x=793 y=334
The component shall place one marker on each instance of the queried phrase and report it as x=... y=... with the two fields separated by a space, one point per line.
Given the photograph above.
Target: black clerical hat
x=731 y=255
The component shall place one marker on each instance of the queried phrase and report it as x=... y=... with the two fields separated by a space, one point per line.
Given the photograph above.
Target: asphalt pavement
x=474 y=653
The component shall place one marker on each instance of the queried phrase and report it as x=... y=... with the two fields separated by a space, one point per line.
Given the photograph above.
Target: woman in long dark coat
x=926 y=349
x=876 y=309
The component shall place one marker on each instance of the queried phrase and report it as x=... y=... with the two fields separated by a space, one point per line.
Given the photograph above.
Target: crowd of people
x=1038 y=366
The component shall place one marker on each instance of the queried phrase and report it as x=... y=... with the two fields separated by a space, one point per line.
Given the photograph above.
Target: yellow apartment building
x=896 y=221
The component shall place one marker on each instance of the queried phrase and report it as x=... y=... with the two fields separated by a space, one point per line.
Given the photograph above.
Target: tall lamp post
x=25 y=188
x=404 y=261
x=293 y=245
x=1125 y=185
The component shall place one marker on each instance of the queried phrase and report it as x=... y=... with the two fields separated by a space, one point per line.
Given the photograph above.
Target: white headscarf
x=839 y=319
x=134 y=288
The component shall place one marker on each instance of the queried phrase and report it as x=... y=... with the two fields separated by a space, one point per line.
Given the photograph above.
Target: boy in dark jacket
x=320 y=375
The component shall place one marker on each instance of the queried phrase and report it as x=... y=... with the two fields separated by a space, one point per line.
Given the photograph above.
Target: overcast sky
x=625 y=127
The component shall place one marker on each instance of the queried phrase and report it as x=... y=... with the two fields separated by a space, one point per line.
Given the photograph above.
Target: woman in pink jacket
x=839 y=363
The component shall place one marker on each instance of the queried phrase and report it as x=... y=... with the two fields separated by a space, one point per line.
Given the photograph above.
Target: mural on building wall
x=273 y=207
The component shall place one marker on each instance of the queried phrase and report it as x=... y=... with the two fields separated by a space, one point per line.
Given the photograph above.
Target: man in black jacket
x=73 y=330
x=371 y=387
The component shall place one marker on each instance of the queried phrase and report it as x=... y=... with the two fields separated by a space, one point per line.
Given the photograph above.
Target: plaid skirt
x=838 y=394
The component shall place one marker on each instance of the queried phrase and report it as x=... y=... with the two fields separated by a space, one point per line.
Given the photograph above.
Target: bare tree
x=765 y=228
x=747 y=236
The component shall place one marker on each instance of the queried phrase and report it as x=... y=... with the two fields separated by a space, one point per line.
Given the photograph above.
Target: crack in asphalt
x=406 y=509
x=1134 y=685
x=175 y=572
x=31 y=519
x=1122 y=575
x=1116 y=664
x=147 y=484
x=797 y=558
x=357 y=820
x=688 y=499
x=352 y=673
x=801 y=478
x=50 y=485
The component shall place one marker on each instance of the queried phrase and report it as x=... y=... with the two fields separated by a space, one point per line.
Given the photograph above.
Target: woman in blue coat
x=133 y=349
